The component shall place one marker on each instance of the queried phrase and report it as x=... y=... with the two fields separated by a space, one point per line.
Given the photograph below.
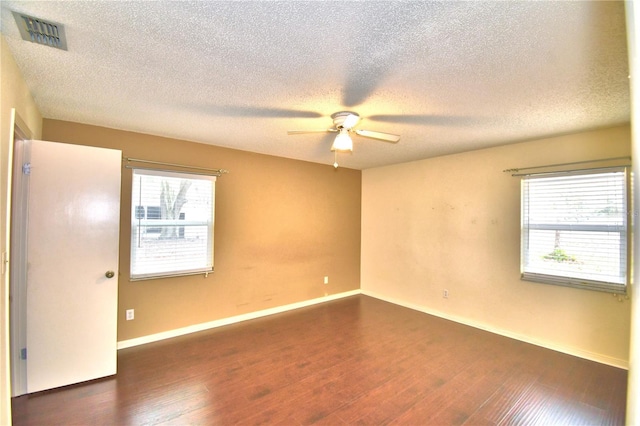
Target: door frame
x=17 y=222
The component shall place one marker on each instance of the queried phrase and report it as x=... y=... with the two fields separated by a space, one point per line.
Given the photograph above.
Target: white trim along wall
x=272 y=311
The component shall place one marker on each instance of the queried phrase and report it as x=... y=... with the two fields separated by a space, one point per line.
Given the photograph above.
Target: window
x=172 y=218
x=574 y=229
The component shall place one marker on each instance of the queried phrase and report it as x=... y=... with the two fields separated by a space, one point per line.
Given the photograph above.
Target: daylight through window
x=172 y=218
x=574 y=229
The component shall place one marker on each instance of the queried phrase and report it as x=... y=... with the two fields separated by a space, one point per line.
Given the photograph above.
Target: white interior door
x=72 y=238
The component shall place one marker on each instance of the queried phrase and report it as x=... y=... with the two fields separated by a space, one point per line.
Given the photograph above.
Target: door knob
x=109 y=274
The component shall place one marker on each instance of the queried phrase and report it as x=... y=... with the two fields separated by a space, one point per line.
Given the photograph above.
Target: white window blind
x=574 y=229
x=172 y=218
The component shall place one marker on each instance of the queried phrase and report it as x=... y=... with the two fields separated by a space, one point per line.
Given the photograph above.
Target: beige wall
x=453 y=223
x=13 y=94
x=281 y=226
x=633 y=45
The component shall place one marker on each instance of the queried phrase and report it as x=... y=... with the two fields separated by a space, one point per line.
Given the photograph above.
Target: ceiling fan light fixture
x=342 y=142
x=344 y=123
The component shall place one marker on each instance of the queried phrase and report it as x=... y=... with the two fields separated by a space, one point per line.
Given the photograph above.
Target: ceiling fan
x=343 y=124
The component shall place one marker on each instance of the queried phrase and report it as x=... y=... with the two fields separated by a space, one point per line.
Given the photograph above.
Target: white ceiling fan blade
x=350 y=121
x=387 y=137
x=301 y=132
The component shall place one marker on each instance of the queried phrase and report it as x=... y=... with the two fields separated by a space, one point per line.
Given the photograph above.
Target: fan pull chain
x=335 y=156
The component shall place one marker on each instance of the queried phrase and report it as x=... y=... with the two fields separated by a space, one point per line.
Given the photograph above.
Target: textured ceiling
x=446 y=76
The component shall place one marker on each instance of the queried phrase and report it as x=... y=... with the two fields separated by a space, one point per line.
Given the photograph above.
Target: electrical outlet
x=130 y=314
x=445 y=294
x=326 y=280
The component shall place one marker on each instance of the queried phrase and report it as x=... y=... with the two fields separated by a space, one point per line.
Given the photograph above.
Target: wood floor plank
x=354 y=361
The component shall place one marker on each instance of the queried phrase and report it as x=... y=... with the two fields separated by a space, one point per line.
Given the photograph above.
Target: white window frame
x=618 y=285
x=205 y=264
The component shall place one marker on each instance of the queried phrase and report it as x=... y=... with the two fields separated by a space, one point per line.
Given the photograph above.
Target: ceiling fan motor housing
x=345 y=119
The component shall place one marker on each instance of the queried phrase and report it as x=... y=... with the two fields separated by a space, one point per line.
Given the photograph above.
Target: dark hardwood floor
x=352 y=361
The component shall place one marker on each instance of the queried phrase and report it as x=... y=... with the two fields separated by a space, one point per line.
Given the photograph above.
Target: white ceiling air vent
x=40 y=31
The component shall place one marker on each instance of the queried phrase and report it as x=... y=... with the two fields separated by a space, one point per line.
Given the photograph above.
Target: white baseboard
x=230 y=320
x=603 y=359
